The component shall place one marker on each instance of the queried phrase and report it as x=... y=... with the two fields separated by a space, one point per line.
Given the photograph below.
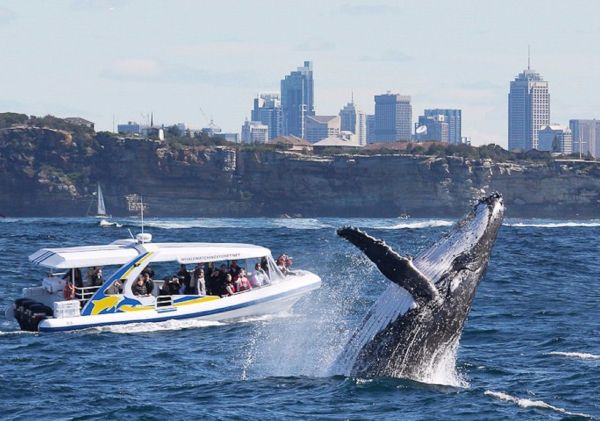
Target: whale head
x=420 y=316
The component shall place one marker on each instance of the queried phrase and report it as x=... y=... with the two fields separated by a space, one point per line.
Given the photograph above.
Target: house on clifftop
x=291 y=143
x=78 y=121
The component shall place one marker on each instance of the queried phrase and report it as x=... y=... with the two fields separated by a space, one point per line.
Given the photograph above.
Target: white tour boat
x=45 y=309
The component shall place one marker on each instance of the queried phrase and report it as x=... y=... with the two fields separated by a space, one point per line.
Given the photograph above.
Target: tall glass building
x=297 y=99
x=586 y=136
x=354 y=120
x=393 y=117
x=454 y=120
x=267 y=110
x=528 y=110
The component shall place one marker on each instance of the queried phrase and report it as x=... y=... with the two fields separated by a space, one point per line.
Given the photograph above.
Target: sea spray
x=308 y=344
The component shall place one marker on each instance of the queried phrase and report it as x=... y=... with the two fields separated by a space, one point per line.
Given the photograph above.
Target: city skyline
x=155 y=57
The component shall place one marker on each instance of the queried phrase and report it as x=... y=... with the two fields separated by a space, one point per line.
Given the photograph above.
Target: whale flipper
x=396 y=268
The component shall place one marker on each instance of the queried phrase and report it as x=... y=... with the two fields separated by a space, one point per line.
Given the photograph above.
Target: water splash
x=528 y=403
x=308 y=341
x=442 y=368
x=152 y=327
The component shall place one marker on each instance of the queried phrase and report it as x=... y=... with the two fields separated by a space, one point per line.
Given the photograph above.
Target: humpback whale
x=418 y=320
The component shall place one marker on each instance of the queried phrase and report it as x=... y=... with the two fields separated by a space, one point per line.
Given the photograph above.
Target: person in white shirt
x=258 y=278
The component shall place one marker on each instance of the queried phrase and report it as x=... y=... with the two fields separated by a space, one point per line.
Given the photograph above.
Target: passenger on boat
x=281 y=264
x=115 y=288
x=184 y=277
x=69 y=290
x=212 y=283
x=242 y=283
x=77 y=279
x=96 y=277
x=234 y=268
x=209 y=268
x=264 y=264
x=91 y=272
x=258 y=278
x=141 y=287
x=149 y=271
x=284 y=263
x=164 y=288
x=149 y=282
x=171 y=286
x=229 y=286
x=198 y=284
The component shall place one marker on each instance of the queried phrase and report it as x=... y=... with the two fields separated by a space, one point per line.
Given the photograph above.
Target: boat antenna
x=142 y=212
x=130 y=233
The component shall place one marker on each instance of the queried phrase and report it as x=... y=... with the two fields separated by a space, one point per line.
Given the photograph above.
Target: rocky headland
x=53 y=171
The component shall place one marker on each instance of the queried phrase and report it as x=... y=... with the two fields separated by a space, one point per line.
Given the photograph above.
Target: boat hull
x=271 y=299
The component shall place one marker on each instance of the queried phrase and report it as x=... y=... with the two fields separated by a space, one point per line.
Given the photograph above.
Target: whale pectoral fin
x=396 y=268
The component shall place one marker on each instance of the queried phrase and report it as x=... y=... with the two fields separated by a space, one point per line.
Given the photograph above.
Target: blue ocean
x=530 y=349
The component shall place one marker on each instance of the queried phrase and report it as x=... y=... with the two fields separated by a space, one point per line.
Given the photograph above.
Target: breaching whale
x=418 y=320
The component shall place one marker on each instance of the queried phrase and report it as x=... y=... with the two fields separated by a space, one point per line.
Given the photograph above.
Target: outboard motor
x=30 y=313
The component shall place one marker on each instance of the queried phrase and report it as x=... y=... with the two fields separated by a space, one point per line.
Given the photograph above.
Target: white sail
x=101 y=207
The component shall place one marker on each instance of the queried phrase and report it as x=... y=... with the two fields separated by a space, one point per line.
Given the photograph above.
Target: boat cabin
x=128 y=259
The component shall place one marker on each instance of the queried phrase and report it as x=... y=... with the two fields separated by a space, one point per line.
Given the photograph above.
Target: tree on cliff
x=12 y=119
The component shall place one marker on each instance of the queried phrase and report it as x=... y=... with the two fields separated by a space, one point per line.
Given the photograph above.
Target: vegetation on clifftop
x=85 y=136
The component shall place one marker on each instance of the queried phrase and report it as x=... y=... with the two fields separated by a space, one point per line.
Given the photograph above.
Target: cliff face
x=51 y=172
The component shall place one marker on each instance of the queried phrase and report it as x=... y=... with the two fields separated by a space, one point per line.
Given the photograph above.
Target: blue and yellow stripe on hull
x=174 y=316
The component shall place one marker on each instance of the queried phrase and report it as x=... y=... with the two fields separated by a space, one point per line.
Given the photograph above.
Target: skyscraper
x=370 y=128
x=393 y=117
x=528 y=109
x=555 y=138
x=267 y=110
x=453 y=118
x=355 y=121
x=255 y=132
x=436 y=128
x=297 y=99
x=586 y=136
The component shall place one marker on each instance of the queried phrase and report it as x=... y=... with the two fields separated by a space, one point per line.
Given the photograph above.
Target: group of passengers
x=74 y=280
x=207 y=279
x=204 y=279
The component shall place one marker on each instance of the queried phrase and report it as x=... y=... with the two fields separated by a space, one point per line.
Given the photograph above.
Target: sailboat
x=101 y=211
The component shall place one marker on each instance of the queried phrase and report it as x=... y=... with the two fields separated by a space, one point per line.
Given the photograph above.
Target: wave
x=153 y=327
x=528 y=403
x=432 y=223
x=565 y=224
x=290 y=223
x=16 y=332
x=576 y=355
x=170 y=325
x=9 y=220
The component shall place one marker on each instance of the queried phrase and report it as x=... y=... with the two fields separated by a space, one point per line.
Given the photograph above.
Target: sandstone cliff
x=54 y=172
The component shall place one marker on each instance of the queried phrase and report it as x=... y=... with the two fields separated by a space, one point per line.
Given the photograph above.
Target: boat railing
x=83 y=294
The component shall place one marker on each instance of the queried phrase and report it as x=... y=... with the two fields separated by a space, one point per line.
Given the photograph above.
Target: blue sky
x=101 y=58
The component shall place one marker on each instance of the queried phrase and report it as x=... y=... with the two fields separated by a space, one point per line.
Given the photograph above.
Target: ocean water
x=530 y=349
